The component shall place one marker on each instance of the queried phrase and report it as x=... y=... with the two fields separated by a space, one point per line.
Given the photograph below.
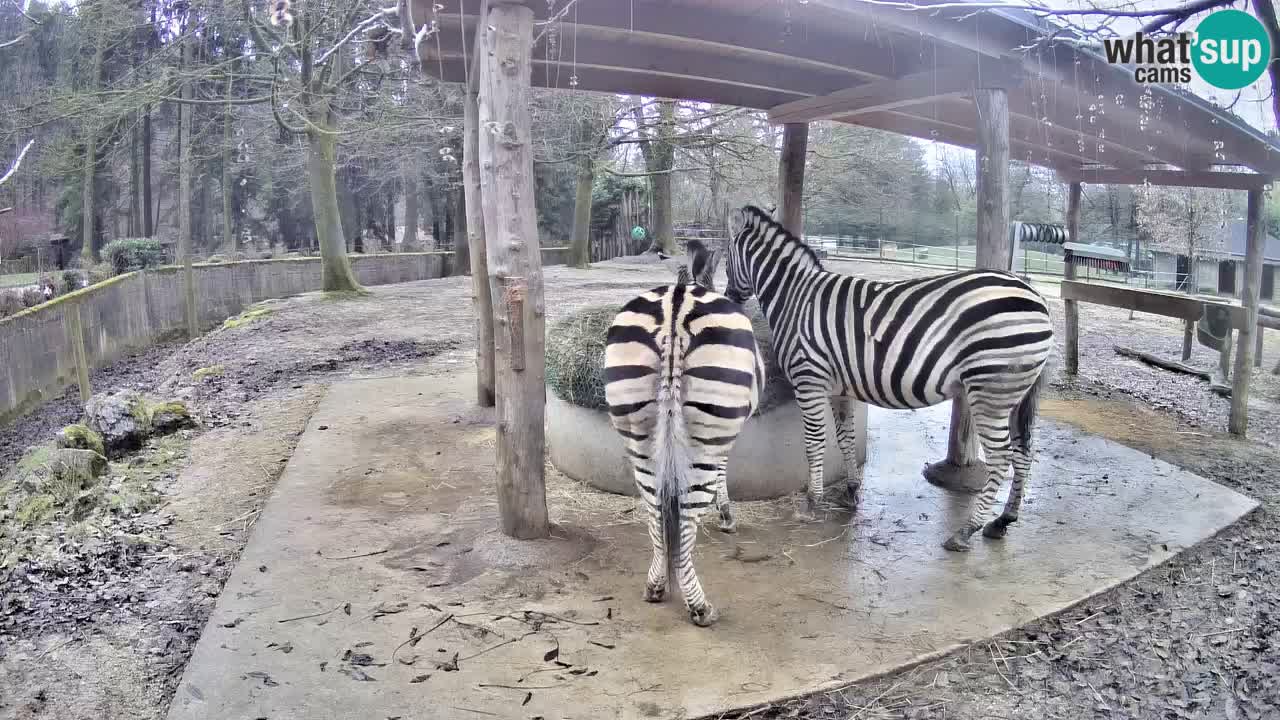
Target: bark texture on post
x=1072 y=320
x=1238 y=423
x=481 y=300
x=963 y=468
x=795 y=146
x=515 y=268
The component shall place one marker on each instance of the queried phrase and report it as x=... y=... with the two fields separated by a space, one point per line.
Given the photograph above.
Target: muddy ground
x=105 y=634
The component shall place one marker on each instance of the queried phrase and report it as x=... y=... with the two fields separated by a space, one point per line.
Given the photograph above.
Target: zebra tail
x=671 y=465
x=1024 y=415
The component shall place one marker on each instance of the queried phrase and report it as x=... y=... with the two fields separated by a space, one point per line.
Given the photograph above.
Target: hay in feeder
x=575 y=358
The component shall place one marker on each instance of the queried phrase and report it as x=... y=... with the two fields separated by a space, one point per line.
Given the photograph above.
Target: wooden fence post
x=1256 y=232
x=1072 y=341
x=515 y=266
x=481 y=299
x=963 y=469
x=75 y=328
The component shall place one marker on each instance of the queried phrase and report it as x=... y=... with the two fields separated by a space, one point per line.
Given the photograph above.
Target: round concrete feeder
x=767 y=460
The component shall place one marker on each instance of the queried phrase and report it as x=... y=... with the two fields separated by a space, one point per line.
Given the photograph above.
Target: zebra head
x=752 y=223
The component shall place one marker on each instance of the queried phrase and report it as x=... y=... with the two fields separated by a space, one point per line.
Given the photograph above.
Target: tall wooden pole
x=481 y=299
x=185 y=169
x=515 y=267
x=1072 y=350
x=1238 y=423
x=963 y=469
x=795 y=146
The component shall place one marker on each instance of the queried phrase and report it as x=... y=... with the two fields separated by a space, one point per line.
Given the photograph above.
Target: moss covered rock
x=207 y=372
x=168 y=417
x=123 y=420
x=575 y=357
x=246 y=317
x=48 y=480
x=81 y=437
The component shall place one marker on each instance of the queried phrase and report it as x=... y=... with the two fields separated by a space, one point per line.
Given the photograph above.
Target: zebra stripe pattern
x=682 y=374
x=980 y=335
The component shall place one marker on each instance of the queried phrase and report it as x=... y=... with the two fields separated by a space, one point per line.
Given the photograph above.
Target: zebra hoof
x=957 y=543
x=997 y=528
x=728 y=523
x=850 y=499
x=705 y=616
x=654 y=594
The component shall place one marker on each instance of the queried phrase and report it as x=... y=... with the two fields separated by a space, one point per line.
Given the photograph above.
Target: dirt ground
x=106 y=634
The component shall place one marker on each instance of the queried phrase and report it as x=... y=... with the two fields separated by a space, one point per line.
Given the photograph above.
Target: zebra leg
x=703 y=490
x=994 y=436
x=728 y=524
x=813 y=405
x=842 y=409
x=656 y=584
x=997 y=528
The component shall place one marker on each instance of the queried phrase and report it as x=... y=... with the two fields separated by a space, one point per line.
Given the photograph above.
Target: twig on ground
x=419 y=636
x=358 y=555
x=1221 y=632
x=312 y=615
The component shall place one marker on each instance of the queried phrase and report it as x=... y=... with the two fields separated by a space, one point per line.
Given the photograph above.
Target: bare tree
x=1184 y=221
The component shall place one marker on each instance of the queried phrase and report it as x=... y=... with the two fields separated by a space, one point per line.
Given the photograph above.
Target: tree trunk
x=321 y=162
x=135 y=203
x=515 y=268
x=228 y=222
x=184 y=197
x=410 y=241
x=580 y=243
x=795 y=144
x=148 y=215
x=88 y=187
x=481 y=299
x=664 y=157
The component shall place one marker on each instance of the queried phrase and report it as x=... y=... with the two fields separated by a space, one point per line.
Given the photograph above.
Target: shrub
x=129 y=254
x=70 y=281
x=99 y=272
x=10 y=303
x=32 y=297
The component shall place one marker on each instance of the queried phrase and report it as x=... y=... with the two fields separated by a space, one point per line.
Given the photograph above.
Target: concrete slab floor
x=382 y=529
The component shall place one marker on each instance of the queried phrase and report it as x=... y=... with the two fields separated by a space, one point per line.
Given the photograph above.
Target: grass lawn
x=18 y=279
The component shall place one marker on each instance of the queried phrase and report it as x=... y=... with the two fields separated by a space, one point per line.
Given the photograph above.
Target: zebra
x=682 y=374
x=701 y=268
x=984 y=335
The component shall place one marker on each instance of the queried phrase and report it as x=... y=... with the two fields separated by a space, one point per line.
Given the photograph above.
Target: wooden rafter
x=1175 y=178
x=893 y=93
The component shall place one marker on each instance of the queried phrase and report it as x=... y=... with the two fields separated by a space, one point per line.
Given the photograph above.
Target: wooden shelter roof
x=906 y=71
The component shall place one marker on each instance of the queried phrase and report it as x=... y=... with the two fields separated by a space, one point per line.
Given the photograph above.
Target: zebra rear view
x=682 y=374
x=983 y=335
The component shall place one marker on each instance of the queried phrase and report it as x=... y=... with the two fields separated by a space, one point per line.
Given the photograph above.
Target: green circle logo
x=1231 y=49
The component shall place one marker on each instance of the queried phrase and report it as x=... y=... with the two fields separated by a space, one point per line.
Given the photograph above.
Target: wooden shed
x=1006 y=83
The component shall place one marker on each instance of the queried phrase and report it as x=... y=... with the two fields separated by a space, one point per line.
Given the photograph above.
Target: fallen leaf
x=420 y=678
x=552 y=654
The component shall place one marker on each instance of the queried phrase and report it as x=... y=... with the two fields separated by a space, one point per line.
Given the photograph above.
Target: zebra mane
x=757 y=221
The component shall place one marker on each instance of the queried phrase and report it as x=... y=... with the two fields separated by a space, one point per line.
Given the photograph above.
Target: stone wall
x=130 y=312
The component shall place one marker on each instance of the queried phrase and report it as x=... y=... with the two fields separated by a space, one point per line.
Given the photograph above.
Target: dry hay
x=575 y=357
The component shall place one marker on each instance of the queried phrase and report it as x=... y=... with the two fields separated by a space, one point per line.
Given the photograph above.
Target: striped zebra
x=981 y=334
x=682 y=375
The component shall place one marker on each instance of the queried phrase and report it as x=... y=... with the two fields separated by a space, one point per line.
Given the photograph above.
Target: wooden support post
x=795 y=146
x=1072 y=320
x=75 y=329
x=481 y=299
x=963 y=468
x=1257 y=349
x=1188 y=338
x=1238 y=423
x=515 y=266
